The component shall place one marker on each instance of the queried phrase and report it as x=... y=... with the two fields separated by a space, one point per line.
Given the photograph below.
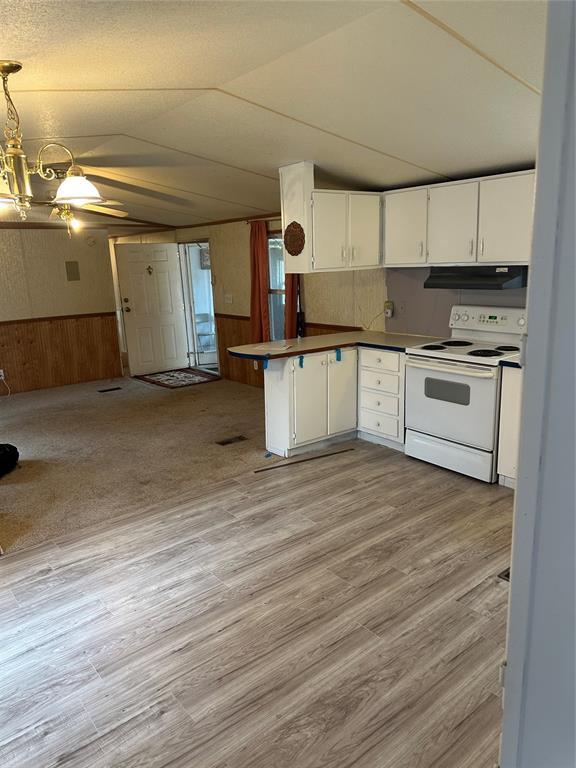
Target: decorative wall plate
x=294 y=238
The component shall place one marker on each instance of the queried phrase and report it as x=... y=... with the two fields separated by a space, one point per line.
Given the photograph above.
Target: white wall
x=33 y=274
x=539 y=713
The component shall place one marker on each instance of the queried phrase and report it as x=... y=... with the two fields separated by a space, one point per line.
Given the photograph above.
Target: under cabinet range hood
x=478 y=278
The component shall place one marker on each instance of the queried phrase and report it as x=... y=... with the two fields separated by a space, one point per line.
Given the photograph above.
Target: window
x=276 y=288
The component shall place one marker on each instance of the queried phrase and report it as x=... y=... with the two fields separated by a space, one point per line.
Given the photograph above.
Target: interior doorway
x=199 y=301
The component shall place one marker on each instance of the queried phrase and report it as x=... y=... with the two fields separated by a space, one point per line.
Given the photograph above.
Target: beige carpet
x=87 y=456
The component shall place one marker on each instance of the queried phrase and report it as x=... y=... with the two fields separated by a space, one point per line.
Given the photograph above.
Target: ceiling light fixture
x=66 y=213
x=15 y=173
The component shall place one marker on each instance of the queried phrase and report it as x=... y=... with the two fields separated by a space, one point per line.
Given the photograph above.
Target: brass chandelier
x=15 y=172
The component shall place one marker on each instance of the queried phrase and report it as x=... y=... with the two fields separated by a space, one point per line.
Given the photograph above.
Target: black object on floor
x=110 y=389
x=505 y=575
x=8 y=458
x=230 y=440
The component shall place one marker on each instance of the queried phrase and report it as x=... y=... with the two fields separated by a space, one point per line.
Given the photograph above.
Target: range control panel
x=494 y=319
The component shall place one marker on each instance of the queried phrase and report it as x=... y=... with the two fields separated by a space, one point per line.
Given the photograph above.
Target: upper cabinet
x=482 y=221
x=345 y=230
x=452 y=223
x=477 y=221
x=364 y=229
x=405 y=226
x=329 y=230
x=505 y=219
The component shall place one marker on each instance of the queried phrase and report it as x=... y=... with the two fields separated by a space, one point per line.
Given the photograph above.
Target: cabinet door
x=509 y=434
x=342 y=391
x=310 y=415
x=405 y=221
x=364 y=230
x=329 y=233
x=452 y=223
x=505 y=219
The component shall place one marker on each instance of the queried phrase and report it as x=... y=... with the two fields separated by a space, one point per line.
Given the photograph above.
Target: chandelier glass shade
x=76 y=189
x=15 y=172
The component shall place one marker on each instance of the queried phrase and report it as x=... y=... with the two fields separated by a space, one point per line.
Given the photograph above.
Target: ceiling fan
x=74 y=190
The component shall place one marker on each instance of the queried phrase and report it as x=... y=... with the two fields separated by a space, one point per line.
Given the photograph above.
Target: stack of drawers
x=381 y=393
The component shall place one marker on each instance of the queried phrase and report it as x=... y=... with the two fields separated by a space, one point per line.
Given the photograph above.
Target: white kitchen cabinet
x=405 y=227
x=342 y=391
x=310 y=392
x=505 y=218
x=364 y=230
x=330 y=230
x=509 y=431
x=381 y=395
x=310 y=398
x=346 y=230
x=452 y=223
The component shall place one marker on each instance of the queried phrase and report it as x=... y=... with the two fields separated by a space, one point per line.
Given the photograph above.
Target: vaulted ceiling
x=185 y=110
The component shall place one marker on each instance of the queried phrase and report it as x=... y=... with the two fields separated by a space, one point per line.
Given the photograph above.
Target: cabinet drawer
x=385 y=382
x=378 y=422
x=380 y=358
x=379 y=402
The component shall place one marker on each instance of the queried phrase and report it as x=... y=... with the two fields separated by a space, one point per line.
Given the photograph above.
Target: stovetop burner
x=485 y=353
x=433 y=346
x=457 y=343
x=508 y=348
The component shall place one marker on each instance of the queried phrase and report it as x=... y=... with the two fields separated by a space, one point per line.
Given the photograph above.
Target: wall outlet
x=2 y=377
x=228 y=299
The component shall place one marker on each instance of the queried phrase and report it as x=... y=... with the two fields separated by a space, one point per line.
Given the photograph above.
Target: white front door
x=153 y=307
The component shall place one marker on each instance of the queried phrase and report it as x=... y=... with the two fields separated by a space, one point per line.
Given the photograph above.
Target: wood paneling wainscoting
x=52 y=351
x=319 y=329
x=234 y=330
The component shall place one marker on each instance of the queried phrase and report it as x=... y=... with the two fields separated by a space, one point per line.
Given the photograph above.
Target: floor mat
x=183 y=377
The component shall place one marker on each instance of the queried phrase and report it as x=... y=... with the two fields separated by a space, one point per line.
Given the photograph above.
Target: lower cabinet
x=310 y=398
x=509 y=432
x=381 y=394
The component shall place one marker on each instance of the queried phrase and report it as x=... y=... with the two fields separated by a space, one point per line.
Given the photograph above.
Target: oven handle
x=455 y=369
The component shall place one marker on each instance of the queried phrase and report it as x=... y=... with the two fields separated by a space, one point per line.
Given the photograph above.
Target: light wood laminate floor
x=340 y=612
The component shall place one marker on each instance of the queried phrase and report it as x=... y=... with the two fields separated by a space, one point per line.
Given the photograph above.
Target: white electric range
x=453 y=390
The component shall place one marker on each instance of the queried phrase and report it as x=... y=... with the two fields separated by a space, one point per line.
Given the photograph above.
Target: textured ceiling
x=184 y=110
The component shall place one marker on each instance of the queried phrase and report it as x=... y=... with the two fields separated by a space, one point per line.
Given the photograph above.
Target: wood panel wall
x=52 y=351
x=319 y=329
x=234 y=330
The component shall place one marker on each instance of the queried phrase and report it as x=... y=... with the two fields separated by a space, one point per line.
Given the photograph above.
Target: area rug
x=183 y=377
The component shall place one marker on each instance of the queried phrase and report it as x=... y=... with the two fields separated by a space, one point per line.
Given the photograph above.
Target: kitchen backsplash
x=427 y=310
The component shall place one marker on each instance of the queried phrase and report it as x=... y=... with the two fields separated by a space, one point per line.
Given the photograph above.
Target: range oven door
x=454 y=401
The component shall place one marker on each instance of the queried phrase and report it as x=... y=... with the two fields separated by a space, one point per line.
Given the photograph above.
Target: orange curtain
x=260 y=280
x=291 y=307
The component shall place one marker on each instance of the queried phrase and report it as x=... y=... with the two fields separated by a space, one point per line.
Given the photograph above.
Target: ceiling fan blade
x=106 y=211
x=143 y=190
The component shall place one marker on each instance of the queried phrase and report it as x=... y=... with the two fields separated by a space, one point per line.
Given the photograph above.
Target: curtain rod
x=272 y=217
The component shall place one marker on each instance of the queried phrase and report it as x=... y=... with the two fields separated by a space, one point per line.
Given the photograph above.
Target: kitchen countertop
x=273 y=350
